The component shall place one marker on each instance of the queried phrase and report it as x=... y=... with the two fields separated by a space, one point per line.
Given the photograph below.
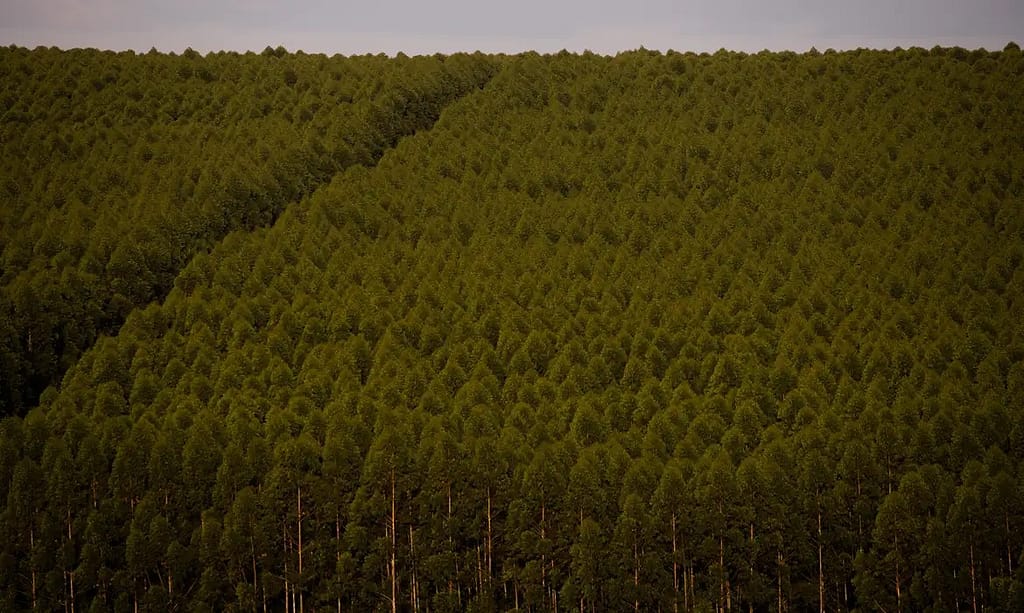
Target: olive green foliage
x=117 y=168
x=650 y=332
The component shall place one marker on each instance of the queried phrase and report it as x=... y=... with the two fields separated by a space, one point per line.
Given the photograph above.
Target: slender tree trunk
x=750 y=599
x=255 y=586
x=543 y=561
x=414 y=596
x=721 y=569
x=956 y=592
x=687 y=600
x=1009 y=554
x=693 y=586
x=860 y=521
x=337 y=553
x=479 y=571
x=71 y=573
x=458 y=584
x=298 y=587
x=490 y=542
x=974 y=591
x=675 y=569
x=32 y=567
x=821 y=573
x=686 y=581
x=636 y=575
x=448 y=529
x=394 y=547
x=778 y=559
x=888 y=473
x=899 y=598
x=287 y=587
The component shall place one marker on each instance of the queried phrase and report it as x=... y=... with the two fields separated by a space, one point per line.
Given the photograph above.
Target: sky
x=446 y=26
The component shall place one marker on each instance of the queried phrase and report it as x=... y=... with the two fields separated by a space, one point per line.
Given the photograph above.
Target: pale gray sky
x=390 y=26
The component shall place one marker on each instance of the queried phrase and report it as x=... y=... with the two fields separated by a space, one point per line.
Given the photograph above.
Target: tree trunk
x=778 y=560
x=71 y=573
x=693 y=586
x=479 y=571
x=821 y=573
x=750 y=599
x=899 y=599
x=394 y=547
x=298 y=519
x=490 y=545
x=543 y=561
x=636 y=575
x=888 y=473
x=458 y=585
x=414 y=591
x=337 y=553
x=721 y=569
x=956 y=592
x=448 y=529
x=252 y=551
x=1009 y=554
x=974 y=592
x=686 y=582
x=32 y=568
x=675 y=569
x=860 y=521
x=287 y=586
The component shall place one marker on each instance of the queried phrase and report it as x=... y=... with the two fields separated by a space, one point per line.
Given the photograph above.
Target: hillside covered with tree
x=668 y=332
x=117 y=168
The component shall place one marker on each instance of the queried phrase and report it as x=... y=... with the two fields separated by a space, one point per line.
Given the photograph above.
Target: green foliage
x=654 y=331
x=119 y=168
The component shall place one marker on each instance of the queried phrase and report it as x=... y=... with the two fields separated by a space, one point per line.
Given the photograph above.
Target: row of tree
x=658 y=331
x=118 y=168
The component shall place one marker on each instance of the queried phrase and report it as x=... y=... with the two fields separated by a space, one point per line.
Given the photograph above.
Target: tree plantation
x=651 y=332
x=118 y=168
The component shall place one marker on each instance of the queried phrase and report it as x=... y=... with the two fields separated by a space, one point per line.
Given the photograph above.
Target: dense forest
x=658 y=331
x=117 y=168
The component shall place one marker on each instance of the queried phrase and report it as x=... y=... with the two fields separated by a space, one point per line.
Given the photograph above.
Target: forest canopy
x=658 y=331
x=117 y=168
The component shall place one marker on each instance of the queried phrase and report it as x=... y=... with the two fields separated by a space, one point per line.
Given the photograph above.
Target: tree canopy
x=650 y=332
